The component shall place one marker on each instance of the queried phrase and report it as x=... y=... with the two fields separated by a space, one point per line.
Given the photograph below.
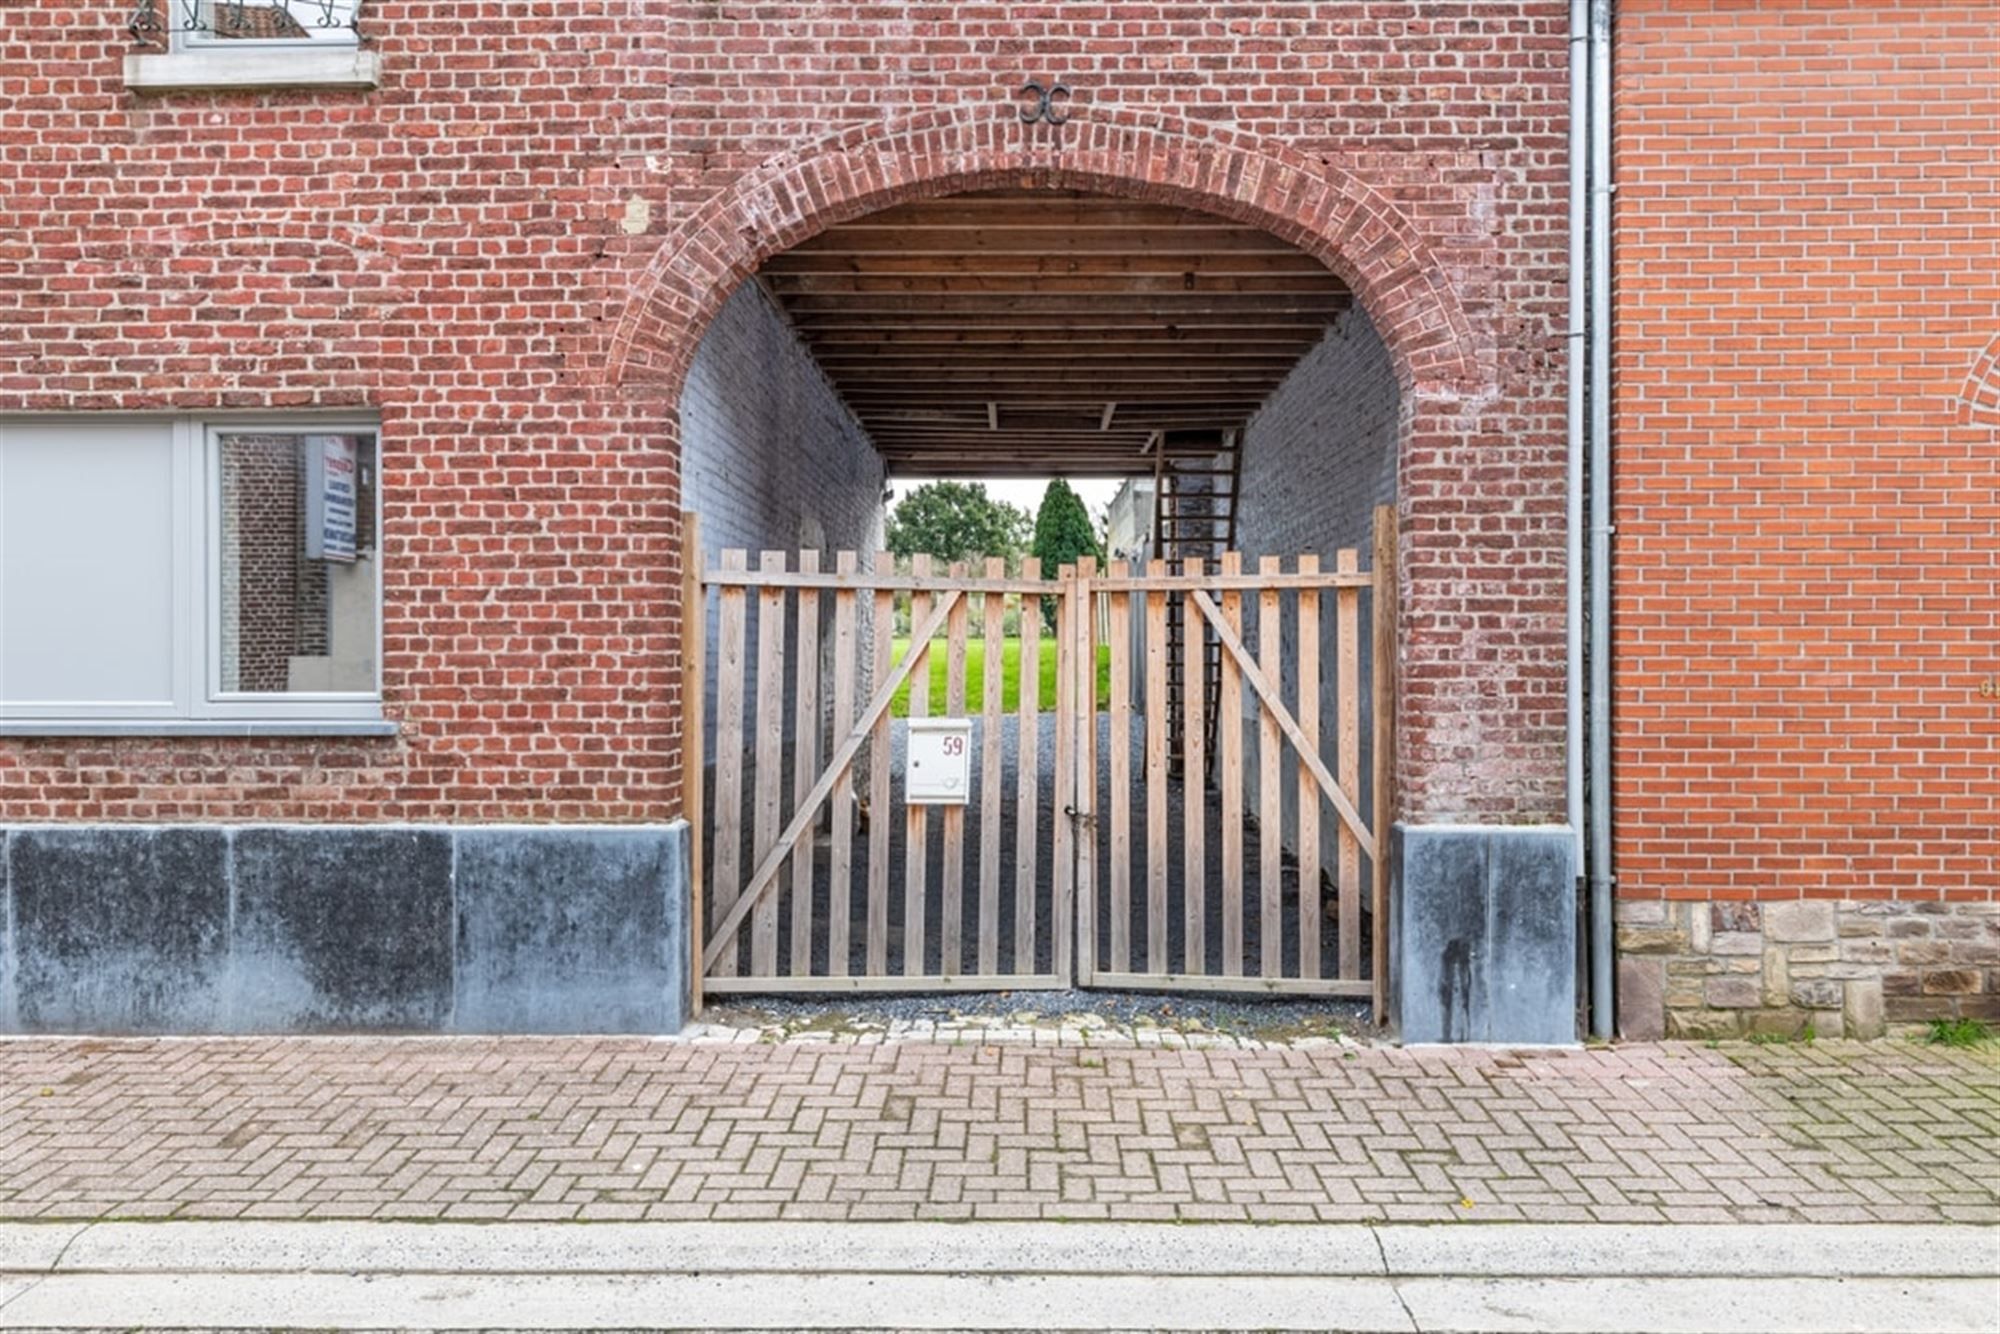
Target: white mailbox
x=938 y=769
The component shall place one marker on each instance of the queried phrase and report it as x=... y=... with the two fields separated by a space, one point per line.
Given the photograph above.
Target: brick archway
x=1323 y=209
x=1471 y=686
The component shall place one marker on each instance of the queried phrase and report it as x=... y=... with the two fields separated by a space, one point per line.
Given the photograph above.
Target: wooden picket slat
x=991 y=712
x=1347 y=768
x=1229 y=744
x=840 y=852
x=805 y=760
x=916 y=819
x=1270 y=790
x=1084 y=619
x=1194 y=789
x=731 y=633
x=770 y=756
x=1027 y=776
x=1119 y=883
x=879 y=761
x=1063 y=868
x=694 y=748
x=951 y=929
x=1383 y=611
x=1308 y=792
x=1156 y=773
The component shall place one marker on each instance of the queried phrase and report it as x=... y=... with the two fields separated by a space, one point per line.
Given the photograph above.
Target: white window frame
x=304 y=705
x=198 y=39
x=200 y=706
x=195 y=62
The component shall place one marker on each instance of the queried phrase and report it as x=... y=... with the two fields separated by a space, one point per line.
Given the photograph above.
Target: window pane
x=297 y=608
x=277 y=20
x=87 y=563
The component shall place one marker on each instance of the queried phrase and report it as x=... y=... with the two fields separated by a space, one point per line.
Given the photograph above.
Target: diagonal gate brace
x=1268 y=694
x=766 y=876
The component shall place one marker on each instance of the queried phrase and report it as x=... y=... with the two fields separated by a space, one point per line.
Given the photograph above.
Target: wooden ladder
x=1196 y=478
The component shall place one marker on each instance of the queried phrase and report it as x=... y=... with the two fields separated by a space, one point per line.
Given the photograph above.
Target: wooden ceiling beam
x=1160 y=311
x=1056 y=304
x=1011 y=390
x=1035 y=469
x=1014 y=439
x=977 y=455
x=1148 y=238
x=853 y=337
x=1127 y=285
x=1030 y=271
x=1087 y=369
x=1041 y=214
x=1066 y=431
x=1055 y=351
x=978 y=451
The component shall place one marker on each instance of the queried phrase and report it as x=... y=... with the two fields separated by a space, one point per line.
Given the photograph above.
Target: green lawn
x=1010 y=675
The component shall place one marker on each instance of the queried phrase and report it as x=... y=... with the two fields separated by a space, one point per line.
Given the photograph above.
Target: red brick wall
x=507 y=251
x=422 y=251
x=1418 y=149
x=1808 y=544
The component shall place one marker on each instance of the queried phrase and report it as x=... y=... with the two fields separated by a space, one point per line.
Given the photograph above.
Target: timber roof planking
x=1049 y=332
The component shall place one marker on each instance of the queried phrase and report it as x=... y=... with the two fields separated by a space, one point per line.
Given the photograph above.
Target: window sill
x=170 y=728
x=346 y=67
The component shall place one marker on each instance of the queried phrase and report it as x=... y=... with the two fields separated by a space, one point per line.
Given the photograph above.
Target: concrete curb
x=1645 y=1279
x=1501 y=1250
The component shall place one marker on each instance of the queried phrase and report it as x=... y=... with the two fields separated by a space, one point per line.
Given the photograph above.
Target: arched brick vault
x=1324 y=210
x=1465 y=683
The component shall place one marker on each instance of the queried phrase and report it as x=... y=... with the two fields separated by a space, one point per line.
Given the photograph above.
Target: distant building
x=1128 y=532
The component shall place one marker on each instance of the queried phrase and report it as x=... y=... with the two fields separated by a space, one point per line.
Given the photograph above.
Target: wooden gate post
x=1083 y=793
x=1383 y=613
x=694 y=710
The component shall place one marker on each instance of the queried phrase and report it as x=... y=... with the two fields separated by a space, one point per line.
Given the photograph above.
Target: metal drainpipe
x=1602 y=877
x=1579 y=278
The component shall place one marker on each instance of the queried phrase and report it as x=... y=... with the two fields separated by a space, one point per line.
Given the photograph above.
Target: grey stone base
x=1483 y=933
x=344 y=928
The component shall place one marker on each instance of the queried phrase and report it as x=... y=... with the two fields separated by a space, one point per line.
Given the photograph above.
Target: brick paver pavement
x=525 y=1128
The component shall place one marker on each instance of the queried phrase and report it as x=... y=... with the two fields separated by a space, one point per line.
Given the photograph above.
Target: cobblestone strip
x=528 y=1128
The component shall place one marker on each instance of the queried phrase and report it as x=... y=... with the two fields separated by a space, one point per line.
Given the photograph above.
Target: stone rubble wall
x=1843 y=968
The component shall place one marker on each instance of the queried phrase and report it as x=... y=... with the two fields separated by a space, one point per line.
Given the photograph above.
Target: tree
x=955 y=521
x=1063 y=533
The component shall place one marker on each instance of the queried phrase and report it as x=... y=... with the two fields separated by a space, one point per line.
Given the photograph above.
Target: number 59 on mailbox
x=938 y=769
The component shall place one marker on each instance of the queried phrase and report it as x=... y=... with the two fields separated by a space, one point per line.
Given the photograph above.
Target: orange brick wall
x=1807 y=450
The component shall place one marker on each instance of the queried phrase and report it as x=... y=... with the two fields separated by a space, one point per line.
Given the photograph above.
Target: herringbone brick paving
x=587 y=1128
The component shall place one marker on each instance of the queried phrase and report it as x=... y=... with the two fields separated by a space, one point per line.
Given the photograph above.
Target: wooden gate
x=1086 y=846
x=1165 y=901
x=821 y=874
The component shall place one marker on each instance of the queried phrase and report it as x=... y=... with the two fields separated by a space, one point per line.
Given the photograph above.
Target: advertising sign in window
x=331 y=497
